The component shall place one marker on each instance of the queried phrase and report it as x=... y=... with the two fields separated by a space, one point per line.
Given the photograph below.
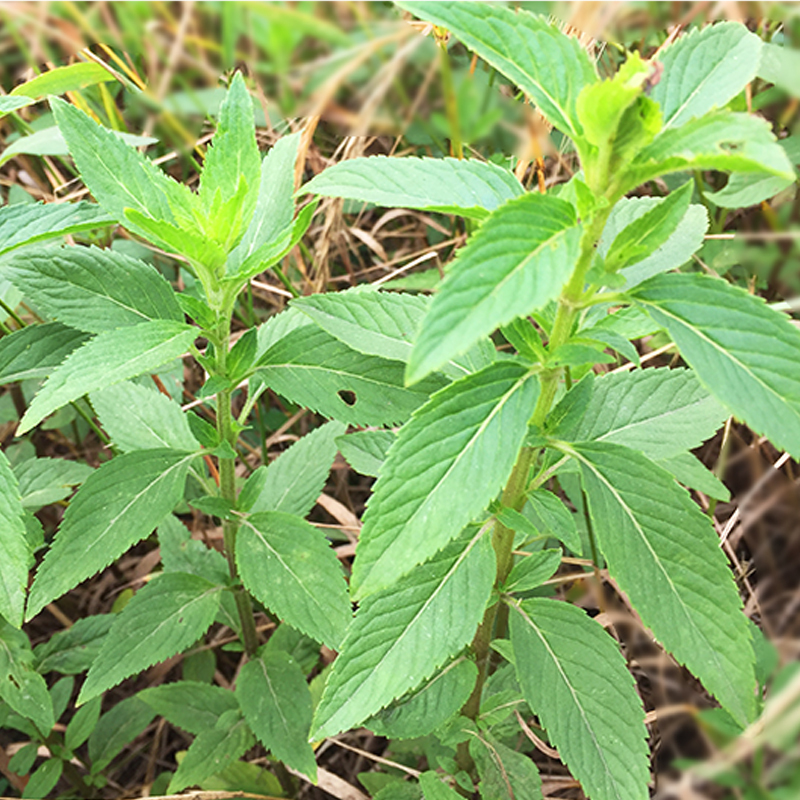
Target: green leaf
x=120 y=177
x=51 y=142
x=117 y=728
x=374 y=323
x=447 y=185
x=47 y=480
x=181 y=553
x=704 y=69
x=720 y=140
x=618 y=121
x=573 y=676
x=505 y=774
x=270 y=253
x=82 y=724
x=664 y=554
x=755 y=374
x=518 y=261
x=120 y=503
x=9 y=103
x=276 y=703
x=289 y=566
x=44 y=779
x=191 y=706
x=278 y=327
x=550 y=516
x=428 y=706
x=402 y=635
x=73 y=650
x=13 y=546
x=60 y=80
x=313 y=369
x=30 y=223
x=533 y=570
x=275 y=203
x=21 y=687
x=166 y=616
x=661 y=412
x=642 y=237
x=365 y=451
x=742 y=191
x=371 y=322
x=212 y=751
x=296 y=478
x=106 y=359
x=445 y=467
x=690 y=471
x=138 y=418
x=35 y=351
x=546 y=64
x=434 y=789
x=201 y=251
x=233 y=152
x=778 y=64
x=91 y=289
x=674 y=251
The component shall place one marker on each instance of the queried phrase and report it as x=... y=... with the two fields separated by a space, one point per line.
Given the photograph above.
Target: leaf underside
x=446 y=185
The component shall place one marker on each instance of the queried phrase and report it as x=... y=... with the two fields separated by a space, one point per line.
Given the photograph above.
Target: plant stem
x=11 y=313
x=495 y=620
x=227 y=486
x=450 y=102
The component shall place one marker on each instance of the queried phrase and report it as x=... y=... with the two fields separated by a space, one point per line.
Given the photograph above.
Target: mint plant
x=454 y=630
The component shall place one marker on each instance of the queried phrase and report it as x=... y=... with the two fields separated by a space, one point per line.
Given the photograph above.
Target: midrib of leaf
x=138 y=205
x=638 y=528
x=155 y=433
x=436 y=592
x=565 y=116
x=330 y=371
x=516 y=606
x=283 y=563
x=275 y=697
x=482 y=428
x=137 y=496
x=24 y=427
x=551 y=241
x=711 y=77
x=645 y=422
x=465 y=452
x=701 y=85
x=698 y=331
x=179 y=611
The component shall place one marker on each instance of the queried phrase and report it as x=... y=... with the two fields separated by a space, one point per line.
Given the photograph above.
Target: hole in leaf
x=348 y=397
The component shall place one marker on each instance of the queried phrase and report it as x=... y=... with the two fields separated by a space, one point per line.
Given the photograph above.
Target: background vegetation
x=361 y=81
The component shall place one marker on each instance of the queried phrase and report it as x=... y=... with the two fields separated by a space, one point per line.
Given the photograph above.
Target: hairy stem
x=495 y=620
x=227 y=488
